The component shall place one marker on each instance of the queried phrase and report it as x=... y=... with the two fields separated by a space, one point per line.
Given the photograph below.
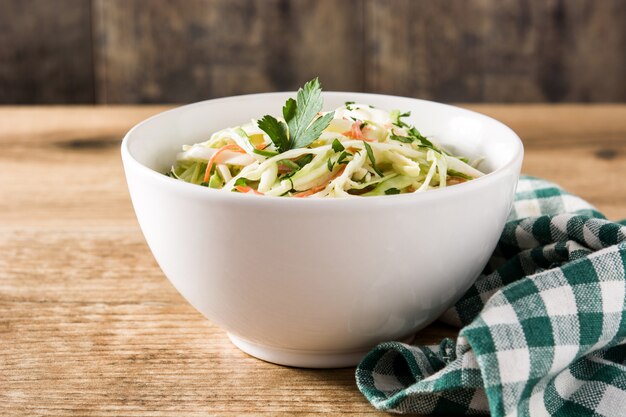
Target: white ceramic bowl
x=318 y=282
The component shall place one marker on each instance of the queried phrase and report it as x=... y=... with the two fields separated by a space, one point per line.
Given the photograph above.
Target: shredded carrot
x=356 y=132
x=232 y=147
x=319 y=188
x=245 y=189
x=310 y=191
x=452 y=180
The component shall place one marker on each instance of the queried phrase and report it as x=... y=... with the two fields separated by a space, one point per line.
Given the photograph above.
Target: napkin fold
x=543 y=329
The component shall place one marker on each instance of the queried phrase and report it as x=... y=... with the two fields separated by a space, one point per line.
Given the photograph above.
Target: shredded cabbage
x=364 y=151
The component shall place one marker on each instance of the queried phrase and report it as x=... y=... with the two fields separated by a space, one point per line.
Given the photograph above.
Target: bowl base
x=302 y=358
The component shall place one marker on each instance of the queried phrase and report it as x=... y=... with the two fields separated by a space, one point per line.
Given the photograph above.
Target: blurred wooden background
x=153 y=51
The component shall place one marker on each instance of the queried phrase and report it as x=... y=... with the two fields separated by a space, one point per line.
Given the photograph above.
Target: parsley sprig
x=301 y=126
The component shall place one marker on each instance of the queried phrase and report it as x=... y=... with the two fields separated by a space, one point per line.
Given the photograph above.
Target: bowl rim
x=214 y=194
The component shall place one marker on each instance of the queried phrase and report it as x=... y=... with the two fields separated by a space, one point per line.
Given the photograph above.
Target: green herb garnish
x=396 y=117
x=277 y=131
x=391 y=191
x=413 y=135
x=337 y=146
x=403 y=139
x=301 y=127
x=303 y=160
x=342 y=158
x=370 y=155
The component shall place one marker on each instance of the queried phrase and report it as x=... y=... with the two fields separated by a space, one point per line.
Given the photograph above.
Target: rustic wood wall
x=148 y=51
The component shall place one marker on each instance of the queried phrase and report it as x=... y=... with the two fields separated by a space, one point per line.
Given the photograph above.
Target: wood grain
x=155 y=51
x=77 y=150
x=180 y=51
x=45 y=52
x=497 y=51
x=90 y=327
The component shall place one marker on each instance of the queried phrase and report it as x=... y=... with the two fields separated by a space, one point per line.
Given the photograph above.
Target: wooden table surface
x=90 y=326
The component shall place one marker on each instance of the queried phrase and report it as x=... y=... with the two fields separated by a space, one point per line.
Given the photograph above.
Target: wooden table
x=90 y=326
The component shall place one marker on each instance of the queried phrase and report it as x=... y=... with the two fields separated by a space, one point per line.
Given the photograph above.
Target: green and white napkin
x=543 y=329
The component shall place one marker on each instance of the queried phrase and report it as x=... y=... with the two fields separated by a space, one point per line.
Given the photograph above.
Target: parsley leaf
x=403 y=139
x=308 y=103
x=277 y=131
x=337 y=146
x=370 y=155
x=342 y=157
x=396 y=116
x=303 y=160
x=289 y=109
x=413 y=135
x=330 y=164
x=302 y=124
x=314 y=131
x=413 y=132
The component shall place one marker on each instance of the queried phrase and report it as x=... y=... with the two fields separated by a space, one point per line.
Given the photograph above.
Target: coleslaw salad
x=355 y=150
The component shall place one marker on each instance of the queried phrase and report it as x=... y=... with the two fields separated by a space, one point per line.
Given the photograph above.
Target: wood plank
x=45 y=52
x=187 y=50
x=497 y=51
x=68 y=152
x=181 y=51
x=427 y=49
x=91 y=327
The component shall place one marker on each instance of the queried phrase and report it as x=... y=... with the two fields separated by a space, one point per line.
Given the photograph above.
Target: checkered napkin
x=543 y=328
